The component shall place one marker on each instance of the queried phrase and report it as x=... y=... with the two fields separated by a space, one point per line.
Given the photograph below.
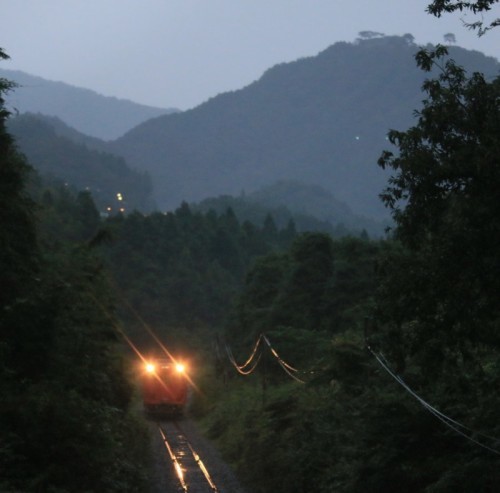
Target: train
x=164 y=386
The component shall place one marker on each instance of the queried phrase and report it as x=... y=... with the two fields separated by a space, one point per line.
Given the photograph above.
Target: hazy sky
x=182 y=52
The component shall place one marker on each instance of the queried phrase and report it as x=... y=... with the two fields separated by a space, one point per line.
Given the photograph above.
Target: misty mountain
x=315 y=201
x=63 y=154
x=310 y=207
x=59 y=157
x=64 y=130
x=321 y=120
x=85 y=110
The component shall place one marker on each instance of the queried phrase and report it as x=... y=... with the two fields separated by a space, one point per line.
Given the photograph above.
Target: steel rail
x=182 y=453
x=178 y=469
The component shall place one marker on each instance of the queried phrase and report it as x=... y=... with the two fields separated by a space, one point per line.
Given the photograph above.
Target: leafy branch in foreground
x=438 y=7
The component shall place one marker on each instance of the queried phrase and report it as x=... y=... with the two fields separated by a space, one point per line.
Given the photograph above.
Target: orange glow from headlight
x=150 y=368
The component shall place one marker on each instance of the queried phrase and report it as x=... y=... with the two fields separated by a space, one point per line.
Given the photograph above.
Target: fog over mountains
x=85 y=110
x=60 y=154
x=321 y=121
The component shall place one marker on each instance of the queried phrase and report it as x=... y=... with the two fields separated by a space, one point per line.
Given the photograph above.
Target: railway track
x=190 y=471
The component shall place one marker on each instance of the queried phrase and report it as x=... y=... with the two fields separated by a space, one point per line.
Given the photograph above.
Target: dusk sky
x=179 y=53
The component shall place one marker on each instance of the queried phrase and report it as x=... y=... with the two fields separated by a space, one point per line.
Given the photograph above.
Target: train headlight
x=150 y=368
x=180 y=368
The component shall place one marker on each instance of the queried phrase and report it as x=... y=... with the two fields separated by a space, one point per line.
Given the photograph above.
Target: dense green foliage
x=406 y=399
x=392 y=346
x=311 y=302
x=181 y=270
x=65 y=423
x=314 y=287
x=447 y=178
x=64 y=407
x=438 y=309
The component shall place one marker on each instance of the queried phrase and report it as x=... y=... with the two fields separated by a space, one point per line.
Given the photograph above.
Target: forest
x=325 y=362
x=56 y=150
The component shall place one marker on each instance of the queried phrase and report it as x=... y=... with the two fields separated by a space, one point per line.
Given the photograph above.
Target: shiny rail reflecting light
x=204 y=470
x=177 y=466
x=191 y=472
x=180 y=474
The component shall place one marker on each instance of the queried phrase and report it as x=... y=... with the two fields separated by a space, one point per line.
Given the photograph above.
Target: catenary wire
x=286 y=367
x=239 y=368
x=424 y=403
x=452 y=424
x=252 y=355
x=243 y=370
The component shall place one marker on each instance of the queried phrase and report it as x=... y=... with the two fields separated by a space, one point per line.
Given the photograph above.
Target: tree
x=18 y=243
x=438 y=7
x=443 y=196
x=437 y=306
x=87 y=214
x=450 y=38
x=64 y=398
x=370 y=34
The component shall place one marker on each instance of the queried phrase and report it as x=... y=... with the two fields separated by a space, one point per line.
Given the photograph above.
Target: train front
x=164 y=388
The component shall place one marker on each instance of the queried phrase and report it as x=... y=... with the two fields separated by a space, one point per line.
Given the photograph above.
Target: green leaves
x=437 y=304
x=438 y=7
x=64 y=418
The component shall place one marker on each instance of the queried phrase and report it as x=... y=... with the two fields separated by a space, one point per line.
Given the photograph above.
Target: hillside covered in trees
x=321 y=363
x=370 y=367
x=311 y=208
x=61 y=153
x=55 y=152
x=320 y=120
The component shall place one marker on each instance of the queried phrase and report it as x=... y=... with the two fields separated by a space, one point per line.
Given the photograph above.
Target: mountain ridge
x=320 y=120
x=104 y=117
x=63 y=154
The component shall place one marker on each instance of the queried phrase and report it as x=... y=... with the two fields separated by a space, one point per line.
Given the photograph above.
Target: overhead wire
x=432 y=409
x=252 y=354
x=448 y=421
x=456 y=426
x=286 y=367
x=240 y=369
x=255 y=357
